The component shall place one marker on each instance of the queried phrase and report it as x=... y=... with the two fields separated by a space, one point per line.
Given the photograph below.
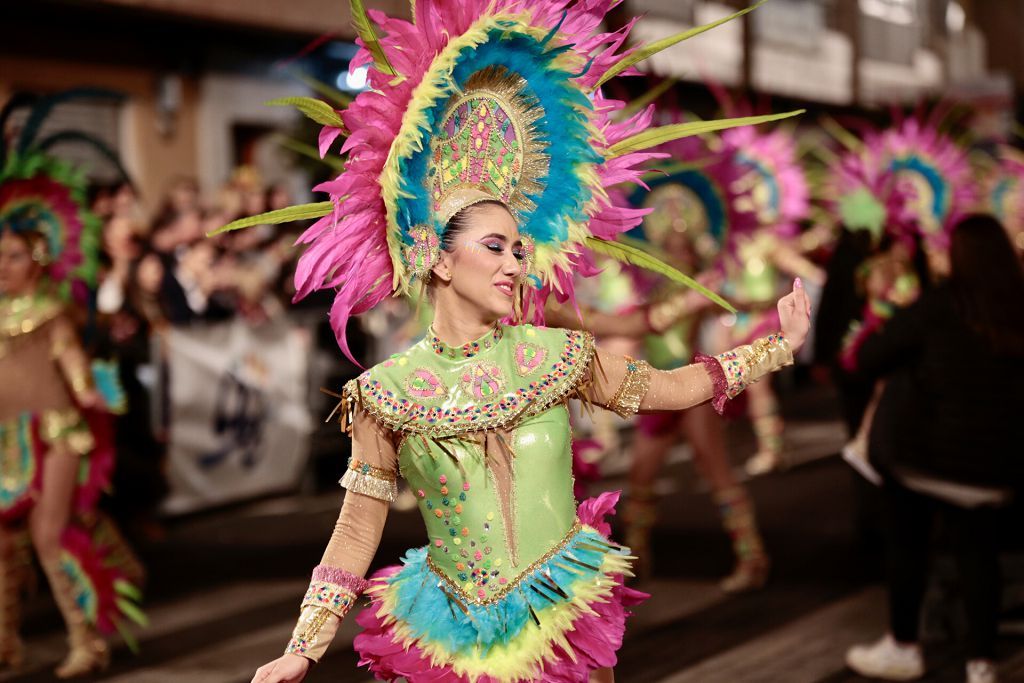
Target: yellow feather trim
x=520 y=658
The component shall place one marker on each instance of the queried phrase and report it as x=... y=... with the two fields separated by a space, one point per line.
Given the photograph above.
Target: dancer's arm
x=626 y=385
x=637 y=322
x=339 y=578
x=73 y=362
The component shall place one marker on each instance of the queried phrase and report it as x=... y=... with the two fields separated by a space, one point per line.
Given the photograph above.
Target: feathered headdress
x=908 y=179
x=471 y=101
x=1005 y=189
x=933 y=174
x=698 y=190
x=778 y=184
x=45 y=196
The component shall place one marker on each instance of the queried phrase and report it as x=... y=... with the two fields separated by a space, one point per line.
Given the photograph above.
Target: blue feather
x=939 y=186
x=422 y=605
x=562 y=129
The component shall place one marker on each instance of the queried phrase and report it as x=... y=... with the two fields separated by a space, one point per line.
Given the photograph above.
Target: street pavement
x=224 y=586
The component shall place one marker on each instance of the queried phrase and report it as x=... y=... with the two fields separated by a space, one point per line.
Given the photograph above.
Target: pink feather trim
x=594 y=639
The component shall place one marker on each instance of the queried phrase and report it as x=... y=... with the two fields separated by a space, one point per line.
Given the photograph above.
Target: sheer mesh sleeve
x=338 y=580
x=626 y=385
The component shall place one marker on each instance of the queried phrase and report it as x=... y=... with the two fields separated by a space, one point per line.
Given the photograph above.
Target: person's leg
x=975 y=546
x=763 y=408
x=654 y=438
x=47 y=522
x=908 y=519
x=704 y=430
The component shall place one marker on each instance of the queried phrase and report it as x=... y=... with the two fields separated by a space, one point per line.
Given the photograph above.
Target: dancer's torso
x=484 y=443
x=31 y=380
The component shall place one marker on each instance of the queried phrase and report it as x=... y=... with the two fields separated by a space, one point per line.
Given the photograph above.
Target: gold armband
x=631 y=392
x=376 y=482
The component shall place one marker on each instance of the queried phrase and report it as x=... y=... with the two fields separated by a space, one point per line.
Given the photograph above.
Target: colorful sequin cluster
x=307 y=631
x=528 y=358
x=337 y=599
x=466 y=350
x=738 y=363
x=477 y=571
x=398 y=412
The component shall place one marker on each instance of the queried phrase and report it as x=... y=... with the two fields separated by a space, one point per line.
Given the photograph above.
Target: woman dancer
x=478 y=166
x=55 y=463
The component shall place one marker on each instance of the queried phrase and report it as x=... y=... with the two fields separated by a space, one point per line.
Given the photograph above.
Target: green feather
x=364 y=27
x=845 y=137
x=318 y=86
x=652 y=137
x=305 y=150
x=299 y=212
x=127 y=589
x=318 y=110
x=654 y=48
x=128 y=637
x=132 y=611
x=637 y=257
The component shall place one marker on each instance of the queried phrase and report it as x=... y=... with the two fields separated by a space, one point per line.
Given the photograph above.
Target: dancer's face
x=18 y=272
x=482 y=270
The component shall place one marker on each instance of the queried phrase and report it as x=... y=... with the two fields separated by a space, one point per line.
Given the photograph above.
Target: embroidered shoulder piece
x=526 y=371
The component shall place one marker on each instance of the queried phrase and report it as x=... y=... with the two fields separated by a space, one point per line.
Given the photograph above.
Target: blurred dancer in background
x=55 y=446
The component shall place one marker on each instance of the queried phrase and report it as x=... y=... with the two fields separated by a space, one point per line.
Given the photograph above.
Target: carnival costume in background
x=1005 y=194
x=486 y=101
x=699 y=204
x=45 y=373
x=910 y=184
x=755 y=262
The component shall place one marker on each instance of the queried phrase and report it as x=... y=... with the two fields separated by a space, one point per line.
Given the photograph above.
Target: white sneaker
x=887 y=660
x=981 y=671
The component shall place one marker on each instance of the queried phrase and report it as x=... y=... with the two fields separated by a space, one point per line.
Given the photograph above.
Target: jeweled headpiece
x=472 y=101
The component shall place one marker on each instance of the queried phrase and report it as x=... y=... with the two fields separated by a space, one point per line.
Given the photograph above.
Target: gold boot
x=752 y=563
x=768 y=430
x=640 y=514
x=88 y=652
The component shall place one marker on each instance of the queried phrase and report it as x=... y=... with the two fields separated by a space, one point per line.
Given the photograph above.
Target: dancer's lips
x=507 y=287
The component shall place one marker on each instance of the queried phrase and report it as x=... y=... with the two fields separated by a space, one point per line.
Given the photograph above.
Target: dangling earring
x=39 y=252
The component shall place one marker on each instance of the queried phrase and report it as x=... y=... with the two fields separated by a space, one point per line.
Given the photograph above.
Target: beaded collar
x=469 y=349
x=24 y=314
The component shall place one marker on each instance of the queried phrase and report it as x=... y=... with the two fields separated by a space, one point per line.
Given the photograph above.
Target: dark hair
x=987 y=282
x=460 y=221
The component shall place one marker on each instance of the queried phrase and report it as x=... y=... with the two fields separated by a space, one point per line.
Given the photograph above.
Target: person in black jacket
x=947 y=440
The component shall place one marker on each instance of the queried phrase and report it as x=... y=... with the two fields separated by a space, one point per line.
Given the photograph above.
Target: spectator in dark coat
x=947 y=438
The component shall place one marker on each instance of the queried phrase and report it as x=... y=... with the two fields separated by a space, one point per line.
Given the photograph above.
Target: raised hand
x=795 y=315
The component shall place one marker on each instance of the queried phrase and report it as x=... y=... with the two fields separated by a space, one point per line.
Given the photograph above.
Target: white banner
x=240 y=423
